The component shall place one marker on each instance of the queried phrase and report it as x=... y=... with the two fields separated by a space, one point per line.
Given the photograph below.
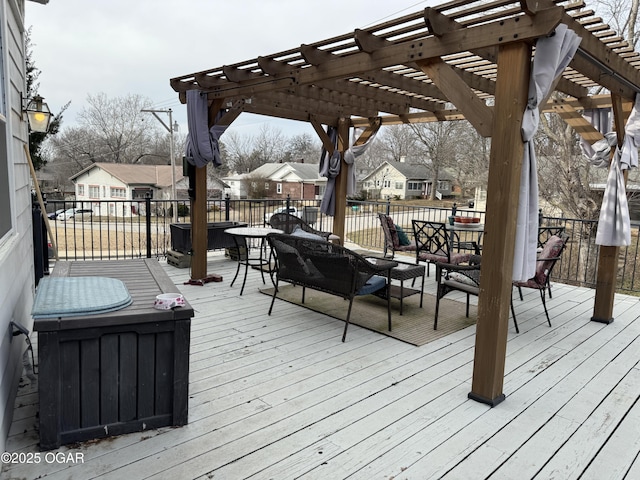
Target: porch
x=282 y=397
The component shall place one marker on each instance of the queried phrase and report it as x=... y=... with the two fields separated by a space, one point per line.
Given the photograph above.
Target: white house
x=17 y=270
x=404 y=180
x=104 y=187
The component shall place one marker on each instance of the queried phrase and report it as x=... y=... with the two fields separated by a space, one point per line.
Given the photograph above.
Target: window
x=94 y=191
x=387 y=184
x=278 y=188
x=118 y=192
x=443 y=185
x=80 y=188
x=141 y=193
x=399 y=185
x=266 y=185
x=5 y=198
x=414 y=185
x=6 y=223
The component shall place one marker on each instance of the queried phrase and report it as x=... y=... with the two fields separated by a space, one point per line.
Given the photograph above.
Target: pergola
x=460 y=60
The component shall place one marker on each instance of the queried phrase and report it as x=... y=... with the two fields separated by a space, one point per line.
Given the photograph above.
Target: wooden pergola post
x=199 y=216
x=503 y=192
x=341 y=180
x=199 y=226
x=608 y=255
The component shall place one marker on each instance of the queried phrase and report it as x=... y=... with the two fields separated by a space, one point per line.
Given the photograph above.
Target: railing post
x=388 y=206
x=227 y=204
x=147 y=208
x=454 y=209
x=288 y=203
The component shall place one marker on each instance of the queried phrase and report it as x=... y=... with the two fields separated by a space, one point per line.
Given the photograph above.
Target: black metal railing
x=119 y=229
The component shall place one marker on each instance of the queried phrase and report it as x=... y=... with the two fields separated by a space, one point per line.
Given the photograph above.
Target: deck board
x=282 y=397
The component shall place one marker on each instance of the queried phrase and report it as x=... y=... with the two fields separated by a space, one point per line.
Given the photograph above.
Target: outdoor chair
x=433 y=244
x=288 y=223
x=329 y=268
x=547 y=259
x=391 y=237
x=462 y=278
x=544 y=233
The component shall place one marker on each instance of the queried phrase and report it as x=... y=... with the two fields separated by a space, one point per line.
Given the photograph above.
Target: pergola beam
x=475 y=109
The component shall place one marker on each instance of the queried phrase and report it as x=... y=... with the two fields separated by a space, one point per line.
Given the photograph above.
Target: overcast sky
x=121 y=47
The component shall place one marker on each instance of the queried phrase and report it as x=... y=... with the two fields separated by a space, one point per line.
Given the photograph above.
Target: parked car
x=292 y=211
x=54 y=215
x=75 y=213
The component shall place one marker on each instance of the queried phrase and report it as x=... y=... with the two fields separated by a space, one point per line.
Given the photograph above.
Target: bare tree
x=269 y=145
x=564 y=176
x=303 y=147
x=437 y=141
x=470 y=167
x=117 y=130
x=622 y=15
x=396 y=142
x=238 y=152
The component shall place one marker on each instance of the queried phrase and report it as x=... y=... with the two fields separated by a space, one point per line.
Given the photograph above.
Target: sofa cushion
x=394 y=233
x=403 y=238
x=299 y=232
x=462 y=278
x=374 y=284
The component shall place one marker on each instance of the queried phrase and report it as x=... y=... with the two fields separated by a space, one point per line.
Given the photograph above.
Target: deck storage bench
x=118 y=372
x=216 y=238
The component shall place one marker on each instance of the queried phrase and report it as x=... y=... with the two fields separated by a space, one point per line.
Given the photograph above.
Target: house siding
x=17 y=284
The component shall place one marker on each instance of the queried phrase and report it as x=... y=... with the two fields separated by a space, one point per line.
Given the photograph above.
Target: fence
x=133 y=229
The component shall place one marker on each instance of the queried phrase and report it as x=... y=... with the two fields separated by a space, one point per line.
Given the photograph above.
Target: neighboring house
x=404 y=181
x=17 y=271
x=298 y=180
x=102 y=182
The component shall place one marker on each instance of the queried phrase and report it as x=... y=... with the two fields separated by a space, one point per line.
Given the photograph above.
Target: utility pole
x=170 y=128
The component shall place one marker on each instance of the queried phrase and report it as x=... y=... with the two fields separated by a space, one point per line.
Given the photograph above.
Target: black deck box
x=216 y=238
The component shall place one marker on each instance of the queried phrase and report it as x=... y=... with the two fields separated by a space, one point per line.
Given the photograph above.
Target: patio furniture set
x=457 y=270
x=294 y=252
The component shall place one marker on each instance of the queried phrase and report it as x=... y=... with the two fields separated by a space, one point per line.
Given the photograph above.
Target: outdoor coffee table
x=405 y=271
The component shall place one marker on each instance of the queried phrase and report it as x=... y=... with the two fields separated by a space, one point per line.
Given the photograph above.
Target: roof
x=280 y=171
x=419 y=67
x=411 y=171
x=153 y=175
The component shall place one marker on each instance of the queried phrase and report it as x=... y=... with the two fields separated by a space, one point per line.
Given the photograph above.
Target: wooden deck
x=281 y=397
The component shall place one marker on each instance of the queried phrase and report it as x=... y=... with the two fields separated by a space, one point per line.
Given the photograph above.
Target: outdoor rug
x=414 y=326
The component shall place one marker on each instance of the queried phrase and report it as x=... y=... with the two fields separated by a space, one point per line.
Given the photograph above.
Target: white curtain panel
x=614 y=226
x=552 y=55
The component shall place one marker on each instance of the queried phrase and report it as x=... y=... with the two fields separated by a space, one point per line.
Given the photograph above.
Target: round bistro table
x=240 y=236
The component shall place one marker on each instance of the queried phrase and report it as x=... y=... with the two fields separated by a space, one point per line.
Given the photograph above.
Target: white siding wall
x=16 y=249
x=96 y=177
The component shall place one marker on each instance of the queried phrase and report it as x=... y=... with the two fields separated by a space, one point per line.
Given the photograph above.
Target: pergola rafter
x=465 y=59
